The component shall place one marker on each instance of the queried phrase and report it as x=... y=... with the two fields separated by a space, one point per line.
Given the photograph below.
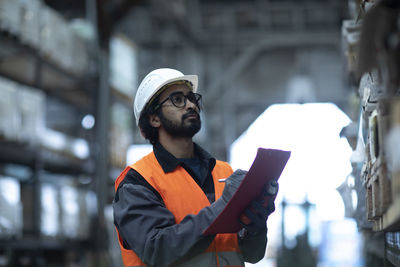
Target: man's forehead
x=176 y=88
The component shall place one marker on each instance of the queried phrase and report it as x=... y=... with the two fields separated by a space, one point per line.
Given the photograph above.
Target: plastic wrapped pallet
x=9 y=112
x=350 y=41
x=50 y=210
x=120 y=134
x=31 y=105
x=393 y=146
x=69 y=211
x=29 y=22
x=56 y=38
x=123 y=67
x=75 y=210
x=78 y=62
x=84 y=197
x=9 y=16
x=11 y=208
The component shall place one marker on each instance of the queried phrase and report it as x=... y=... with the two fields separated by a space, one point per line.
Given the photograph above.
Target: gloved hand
x=254 y=218
x=232 y=184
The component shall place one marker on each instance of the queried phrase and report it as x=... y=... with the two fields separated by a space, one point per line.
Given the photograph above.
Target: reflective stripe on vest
x=183 y=196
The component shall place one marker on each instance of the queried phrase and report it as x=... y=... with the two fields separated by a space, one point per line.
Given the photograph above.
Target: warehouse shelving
x=26 y=62
x=15 y=152
x=28 y=66
x=372 y=71
x=391 y=218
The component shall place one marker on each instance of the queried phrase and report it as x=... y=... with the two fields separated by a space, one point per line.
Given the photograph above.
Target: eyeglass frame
x=185 y=97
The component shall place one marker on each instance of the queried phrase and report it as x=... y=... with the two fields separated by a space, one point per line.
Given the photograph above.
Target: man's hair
x=148 y=131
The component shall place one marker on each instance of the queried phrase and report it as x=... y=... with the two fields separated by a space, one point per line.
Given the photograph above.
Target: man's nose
x=190 y=104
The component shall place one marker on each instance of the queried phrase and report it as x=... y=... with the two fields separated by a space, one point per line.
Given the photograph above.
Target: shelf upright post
x=100 y=58
x=37 y=170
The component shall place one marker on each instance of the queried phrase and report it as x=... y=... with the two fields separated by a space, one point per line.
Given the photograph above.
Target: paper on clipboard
x=268 y=165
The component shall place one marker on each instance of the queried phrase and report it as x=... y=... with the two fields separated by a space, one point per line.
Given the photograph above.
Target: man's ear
x=154 y=121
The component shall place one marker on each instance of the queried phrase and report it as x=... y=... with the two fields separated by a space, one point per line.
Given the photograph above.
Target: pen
x=222 y=180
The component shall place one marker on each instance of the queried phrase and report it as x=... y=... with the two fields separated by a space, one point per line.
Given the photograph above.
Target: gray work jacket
x=149 y=228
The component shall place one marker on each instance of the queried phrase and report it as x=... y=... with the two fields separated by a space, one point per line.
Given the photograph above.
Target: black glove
x=256 y=214
x=232 y=184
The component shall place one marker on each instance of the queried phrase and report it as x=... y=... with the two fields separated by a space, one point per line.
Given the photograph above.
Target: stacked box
x=44 y=29
x=50 y=210
x=374 y=148
x=379 y=195
x=29 y=31
x=84 y=214
x=75 y=212
x=78 y=62
x=393 y=145
x=350 y=42
x=381 y=169
x=10 y=207
x=10 y=16
x=56 y=41
x=122 y=65
x=64 y=208
x=31 y=107
x=121 y=125
x=69 y=211
x=9 y=118
x=60 y=44
x=380 y=192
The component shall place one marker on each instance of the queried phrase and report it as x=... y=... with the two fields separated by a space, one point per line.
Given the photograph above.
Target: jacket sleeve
x=253 y=247
x=149 y=229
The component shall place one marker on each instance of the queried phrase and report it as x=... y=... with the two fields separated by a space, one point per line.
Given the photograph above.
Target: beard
x=185 y=128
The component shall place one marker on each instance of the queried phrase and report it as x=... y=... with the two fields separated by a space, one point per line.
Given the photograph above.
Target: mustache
x=190 y=113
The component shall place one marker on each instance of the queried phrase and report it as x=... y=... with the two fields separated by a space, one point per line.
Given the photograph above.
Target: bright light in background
x=88 y=121
x=136 y=152
x=80 y=148
x=319 y=162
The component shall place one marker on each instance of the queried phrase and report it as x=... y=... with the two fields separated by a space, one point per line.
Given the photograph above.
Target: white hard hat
x=153 y=82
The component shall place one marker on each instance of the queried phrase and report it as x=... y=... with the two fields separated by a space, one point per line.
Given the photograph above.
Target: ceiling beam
x=274 y=41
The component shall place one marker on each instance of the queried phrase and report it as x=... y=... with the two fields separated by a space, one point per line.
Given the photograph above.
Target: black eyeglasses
x=178 y=99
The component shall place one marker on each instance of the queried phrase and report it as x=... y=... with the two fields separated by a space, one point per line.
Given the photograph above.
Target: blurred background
x=319 y=78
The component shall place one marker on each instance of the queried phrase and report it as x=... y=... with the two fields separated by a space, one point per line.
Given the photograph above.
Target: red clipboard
x=268 y=165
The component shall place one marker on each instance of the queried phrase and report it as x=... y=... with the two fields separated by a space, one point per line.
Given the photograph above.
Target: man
x=165 y=201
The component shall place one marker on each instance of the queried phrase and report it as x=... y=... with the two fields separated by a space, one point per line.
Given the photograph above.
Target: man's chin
x=193 y=127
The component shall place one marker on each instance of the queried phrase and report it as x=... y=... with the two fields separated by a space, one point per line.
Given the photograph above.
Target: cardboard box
x=9 y=112
x=31 y=110
x=393 y=145
x=78 y=60
x=29 y=14
x=56 y=40
x=49 y=210
x=75 y=212
x=10 y=16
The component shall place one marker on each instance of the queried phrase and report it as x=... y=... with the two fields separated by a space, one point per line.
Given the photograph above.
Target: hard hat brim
x=193 y=79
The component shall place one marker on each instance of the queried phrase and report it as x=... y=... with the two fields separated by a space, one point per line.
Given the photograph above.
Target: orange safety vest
x=182 y=196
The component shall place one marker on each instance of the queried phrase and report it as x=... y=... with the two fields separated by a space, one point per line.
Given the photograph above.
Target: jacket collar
x=169 y=162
